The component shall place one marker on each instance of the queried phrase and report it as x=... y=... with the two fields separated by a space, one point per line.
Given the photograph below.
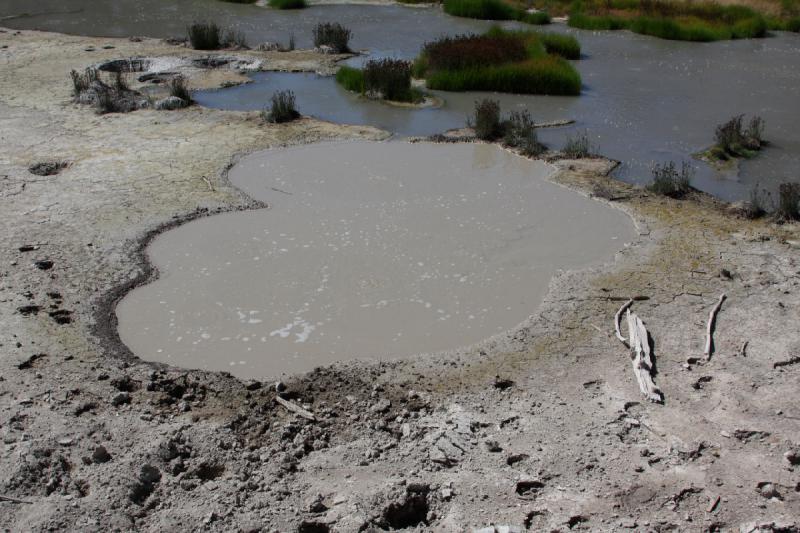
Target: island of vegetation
x=734 y=141
x=382 y=79
x=503 y=61
x=675 y=20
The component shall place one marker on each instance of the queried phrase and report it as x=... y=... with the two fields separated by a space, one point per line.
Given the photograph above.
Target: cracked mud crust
x=542 y=428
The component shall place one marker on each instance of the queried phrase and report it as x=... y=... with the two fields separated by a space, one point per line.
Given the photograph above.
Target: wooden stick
x=296 y=409
x=642 y=358
x=617 y=319
x=710 y=328
x=12 y=500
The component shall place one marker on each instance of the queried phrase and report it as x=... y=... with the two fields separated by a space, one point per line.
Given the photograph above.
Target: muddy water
x=644 y=101
x=368 y=250
x=391 y=29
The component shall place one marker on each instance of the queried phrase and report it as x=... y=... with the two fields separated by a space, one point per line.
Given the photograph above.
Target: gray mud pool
x=368 y=250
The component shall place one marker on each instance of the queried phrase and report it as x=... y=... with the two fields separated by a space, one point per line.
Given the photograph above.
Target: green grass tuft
x=680 y=21
x=565 y=46
x=351 y=79
x=548 y=75
x=480 y=9
x=288 y=4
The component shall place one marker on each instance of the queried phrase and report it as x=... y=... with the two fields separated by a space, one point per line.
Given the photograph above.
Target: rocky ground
x=540 y=429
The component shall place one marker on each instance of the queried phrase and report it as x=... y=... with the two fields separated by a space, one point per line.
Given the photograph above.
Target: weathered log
x=296 y=409
x=642 y=358
x=617 y=319
x=712 y=316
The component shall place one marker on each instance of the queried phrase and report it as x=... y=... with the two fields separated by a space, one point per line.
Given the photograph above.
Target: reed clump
x=670 y=181
x=179 y=89
x=493 y=10
x=112 y=96
x=735 y=139
x=282 y=108
x=382 y=79
x=788 y=201
x=517 y=130
x=577 y=146
x=205 y=35
x=333 y=35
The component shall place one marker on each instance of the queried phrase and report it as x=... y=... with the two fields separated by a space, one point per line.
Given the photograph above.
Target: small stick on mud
x=743 y=349
x=595 y=326
x=712 y=316
x=296 y=409
x=641 y=358
x=712 y=505
x=617 y=319
x=12 y=500
x=208 y=182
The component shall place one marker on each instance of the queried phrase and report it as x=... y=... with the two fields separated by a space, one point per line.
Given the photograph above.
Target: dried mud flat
x=542 y=429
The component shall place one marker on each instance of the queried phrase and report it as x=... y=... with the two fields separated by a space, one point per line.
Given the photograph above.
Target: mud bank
x=543 y=428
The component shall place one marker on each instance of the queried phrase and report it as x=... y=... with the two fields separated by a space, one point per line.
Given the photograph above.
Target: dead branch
x=12 y=500
x=710 y=328
x=296 y=409
x=642 y=358
x=617 y=319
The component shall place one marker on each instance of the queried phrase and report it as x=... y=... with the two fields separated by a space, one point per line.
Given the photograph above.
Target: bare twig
x=710 y=328
x=12 y=500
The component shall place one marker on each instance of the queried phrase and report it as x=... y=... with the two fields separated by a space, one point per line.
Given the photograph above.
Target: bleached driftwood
x=712 y=316
x=296 y=409
x=617 y=318
x=641 y=357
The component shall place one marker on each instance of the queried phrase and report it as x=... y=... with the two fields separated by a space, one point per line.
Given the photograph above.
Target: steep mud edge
x=433 y=443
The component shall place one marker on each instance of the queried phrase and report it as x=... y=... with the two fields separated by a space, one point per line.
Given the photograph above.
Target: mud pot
x=369 y=250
